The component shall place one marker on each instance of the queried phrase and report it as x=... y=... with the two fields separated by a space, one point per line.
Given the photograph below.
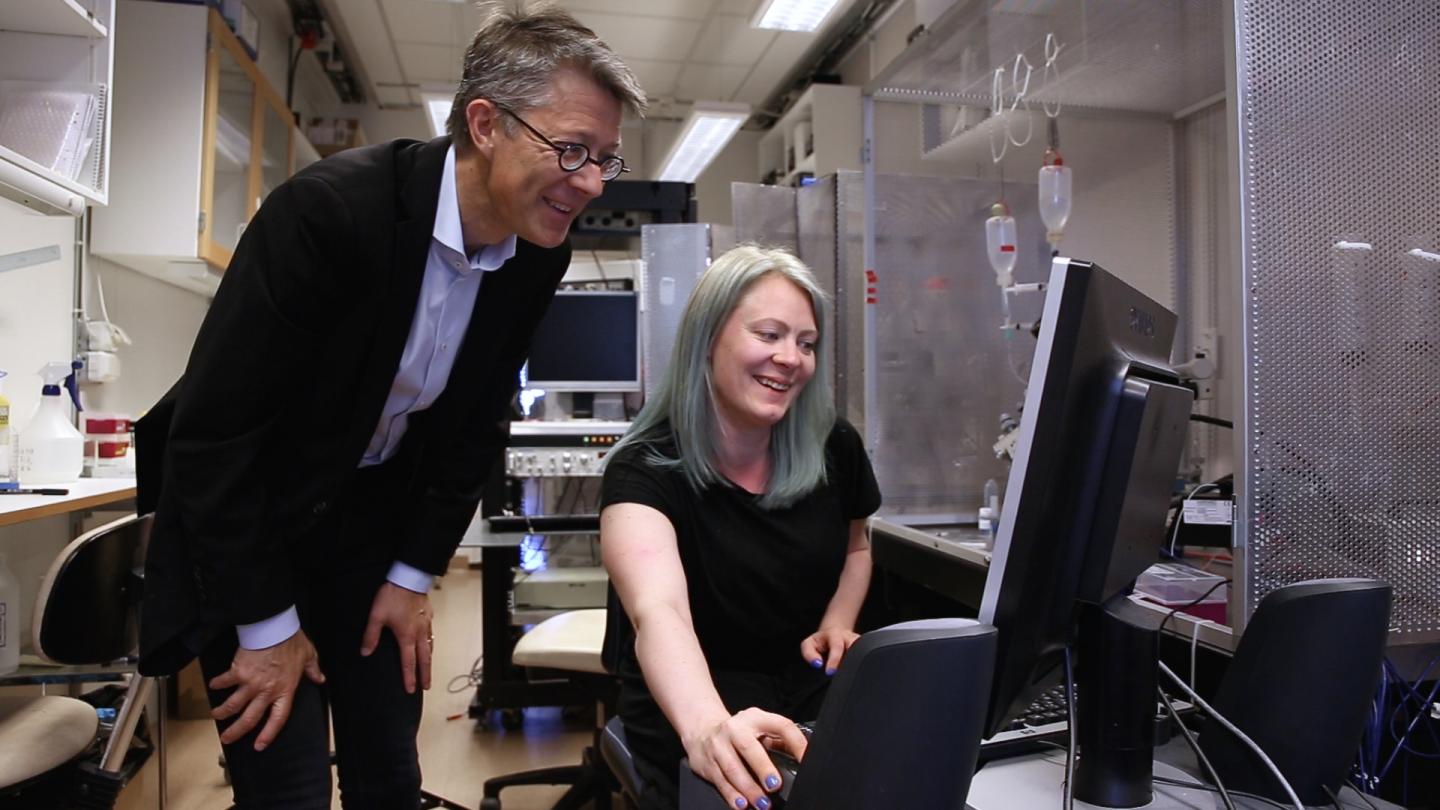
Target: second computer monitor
x=587 y=341
x=1100 y=442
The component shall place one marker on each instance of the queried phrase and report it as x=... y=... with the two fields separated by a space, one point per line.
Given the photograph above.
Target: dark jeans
x=374 y=720
x=795 y=691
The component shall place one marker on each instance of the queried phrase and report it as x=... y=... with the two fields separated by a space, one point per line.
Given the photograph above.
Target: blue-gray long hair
x=685 y=397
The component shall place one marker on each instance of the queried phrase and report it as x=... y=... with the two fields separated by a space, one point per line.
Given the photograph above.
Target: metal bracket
x=29 y=258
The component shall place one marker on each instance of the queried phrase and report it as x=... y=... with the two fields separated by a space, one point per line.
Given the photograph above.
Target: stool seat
x=41 y=734
x=571 y=641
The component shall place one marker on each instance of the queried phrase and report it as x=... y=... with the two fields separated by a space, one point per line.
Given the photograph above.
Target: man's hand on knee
x=407 y=615
x=264 y=681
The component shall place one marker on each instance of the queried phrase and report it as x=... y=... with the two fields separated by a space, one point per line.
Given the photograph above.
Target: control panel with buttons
x=560 y=449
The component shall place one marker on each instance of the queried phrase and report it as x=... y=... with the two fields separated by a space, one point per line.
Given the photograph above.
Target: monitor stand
x=1038 y=780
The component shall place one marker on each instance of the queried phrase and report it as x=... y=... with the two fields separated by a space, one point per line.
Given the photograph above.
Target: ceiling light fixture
x=710 y=125
x=793 y=15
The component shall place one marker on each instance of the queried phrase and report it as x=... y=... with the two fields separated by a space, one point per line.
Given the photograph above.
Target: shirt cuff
x=269 y=632
x=410 y=578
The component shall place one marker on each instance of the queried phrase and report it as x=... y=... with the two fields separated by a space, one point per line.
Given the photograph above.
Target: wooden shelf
x=62 y=17
x=87 y=493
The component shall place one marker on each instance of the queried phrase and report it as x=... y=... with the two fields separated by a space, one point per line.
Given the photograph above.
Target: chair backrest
x=86 y=610
x=1300 y=686
x=901 y=723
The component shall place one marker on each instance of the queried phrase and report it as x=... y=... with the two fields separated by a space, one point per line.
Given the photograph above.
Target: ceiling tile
x=392 y=96
x=729 y=40
x=745 y=8
x=363 y=29
x=429 y=63
x=644 y=37
x=774 y=66
x=421 y=20
x=656 y=78
x=699 y=82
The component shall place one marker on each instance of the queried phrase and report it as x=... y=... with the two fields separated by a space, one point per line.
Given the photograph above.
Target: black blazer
x=285 y=385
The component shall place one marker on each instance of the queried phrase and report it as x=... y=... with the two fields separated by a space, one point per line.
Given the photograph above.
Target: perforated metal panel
x=1339 y=128
x=765 y=215
x=674 y=257
x=943 y=361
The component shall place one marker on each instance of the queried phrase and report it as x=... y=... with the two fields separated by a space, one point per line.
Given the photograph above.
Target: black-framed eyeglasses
x=573 y=156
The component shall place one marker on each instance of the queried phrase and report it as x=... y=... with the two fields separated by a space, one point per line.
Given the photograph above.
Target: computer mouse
x=788 y=767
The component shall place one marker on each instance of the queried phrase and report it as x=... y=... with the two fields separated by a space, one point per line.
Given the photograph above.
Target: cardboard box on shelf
x=331 y=135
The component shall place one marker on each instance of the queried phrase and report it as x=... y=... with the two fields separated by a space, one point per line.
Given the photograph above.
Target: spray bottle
x=7 y=450
x=52 y=451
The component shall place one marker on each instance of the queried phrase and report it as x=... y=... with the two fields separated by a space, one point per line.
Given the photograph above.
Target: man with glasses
x=345 y=397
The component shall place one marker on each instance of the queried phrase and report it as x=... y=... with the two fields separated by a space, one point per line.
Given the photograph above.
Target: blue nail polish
x=762 y=803
x=740 y=803
x=772 y=781
x=829 y=671
x=817 y=663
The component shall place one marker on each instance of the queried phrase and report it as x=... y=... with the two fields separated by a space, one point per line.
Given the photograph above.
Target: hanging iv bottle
x=1054 y=195
x=1000 y=243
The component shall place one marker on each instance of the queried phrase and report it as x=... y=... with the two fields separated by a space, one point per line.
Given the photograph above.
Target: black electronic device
x=1301 y=686
x=1104 y=425
x=587 y=341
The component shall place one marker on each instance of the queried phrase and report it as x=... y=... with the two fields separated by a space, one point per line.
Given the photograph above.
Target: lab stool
x=571 y=642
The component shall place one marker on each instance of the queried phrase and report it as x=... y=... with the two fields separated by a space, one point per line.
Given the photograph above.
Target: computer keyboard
x=1048 y=708
x=1043 y=723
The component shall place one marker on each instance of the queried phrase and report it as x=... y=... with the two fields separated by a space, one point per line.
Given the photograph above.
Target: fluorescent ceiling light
x=437 y=111
x=793 y=15
x=708 y=128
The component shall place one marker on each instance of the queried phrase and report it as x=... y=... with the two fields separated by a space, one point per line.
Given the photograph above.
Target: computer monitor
x=587 y=341
x=1100 y=442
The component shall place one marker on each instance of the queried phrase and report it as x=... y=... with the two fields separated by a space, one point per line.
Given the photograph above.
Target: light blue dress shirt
x=447 y=298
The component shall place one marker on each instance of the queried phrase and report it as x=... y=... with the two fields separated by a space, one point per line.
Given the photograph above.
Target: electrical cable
x=1195 y=746
x=1180 y=515
x=1233 y=729
x=1359 y=793
x=1165 y=780
x=1193 y=603
x=1212 y=420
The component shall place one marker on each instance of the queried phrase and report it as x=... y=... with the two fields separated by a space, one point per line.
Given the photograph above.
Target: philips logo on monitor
x=1142 y=323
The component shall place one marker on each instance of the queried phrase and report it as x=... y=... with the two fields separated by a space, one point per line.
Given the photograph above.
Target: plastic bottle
x=8 y=479
x=1000 y=243
x=52 y=451
x=1055 y=195
x=989 y=514
x=9 y=620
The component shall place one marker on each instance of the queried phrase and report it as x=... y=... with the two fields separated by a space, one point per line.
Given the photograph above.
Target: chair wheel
x=510 y=720
x=490 y=803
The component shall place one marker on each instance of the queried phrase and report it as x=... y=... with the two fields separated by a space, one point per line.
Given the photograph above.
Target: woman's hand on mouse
x=732 y=755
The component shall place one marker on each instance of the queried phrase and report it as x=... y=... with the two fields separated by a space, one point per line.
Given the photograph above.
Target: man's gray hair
x=514 y=56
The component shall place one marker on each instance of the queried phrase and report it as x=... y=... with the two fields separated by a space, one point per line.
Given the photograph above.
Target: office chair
x=573 y=642
x=900 y=726
x=1300 y=686
x=85 y=614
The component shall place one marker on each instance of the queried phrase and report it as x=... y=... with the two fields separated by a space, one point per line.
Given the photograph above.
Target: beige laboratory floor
x=456 y=756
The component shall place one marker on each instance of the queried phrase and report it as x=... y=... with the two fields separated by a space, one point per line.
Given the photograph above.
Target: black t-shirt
x=759 y=580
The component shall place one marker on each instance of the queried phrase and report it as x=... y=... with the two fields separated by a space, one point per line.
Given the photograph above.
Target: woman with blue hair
x=733 y=527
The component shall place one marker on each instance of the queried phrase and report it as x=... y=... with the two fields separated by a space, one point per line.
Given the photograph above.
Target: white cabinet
x=56 y=62
x=818 y=135
x=206 y=139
